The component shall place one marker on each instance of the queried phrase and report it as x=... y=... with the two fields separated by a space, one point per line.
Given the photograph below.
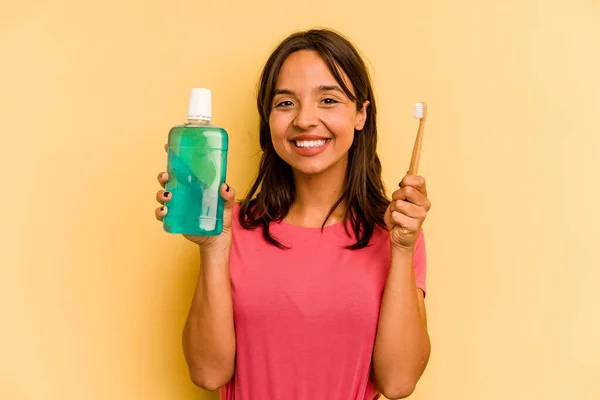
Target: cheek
x=278 y=128
x=341 y=126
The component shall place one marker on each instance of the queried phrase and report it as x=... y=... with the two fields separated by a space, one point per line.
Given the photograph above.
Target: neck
x=315 y=195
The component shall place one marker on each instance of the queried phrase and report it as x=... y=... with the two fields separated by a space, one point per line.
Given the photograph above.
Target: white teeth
x=310 y=143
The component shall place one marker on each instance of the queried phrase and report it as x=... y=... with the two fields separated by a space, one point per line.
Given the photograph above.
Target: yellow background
x=93 y=294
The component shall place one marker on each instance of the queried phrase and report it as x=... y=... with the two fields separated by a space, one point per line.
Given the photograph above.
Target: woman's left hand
x=407 y=211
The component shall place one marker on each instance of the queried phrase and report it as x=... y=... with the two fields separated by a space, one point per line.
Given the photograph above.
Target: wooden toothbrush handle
x=416 y=154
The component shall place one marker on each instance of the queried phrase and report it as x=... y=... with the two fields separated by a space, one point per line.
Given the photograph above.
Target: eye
x=286 y=103
x=330 y=101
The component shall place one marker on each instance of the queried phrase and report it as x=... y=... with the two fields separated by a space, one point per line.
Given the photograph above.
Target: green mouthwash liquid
x=197 y=164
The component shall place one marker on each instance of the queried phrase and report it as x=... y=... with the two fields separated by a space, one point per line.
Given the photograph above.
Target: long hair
x=364 y=192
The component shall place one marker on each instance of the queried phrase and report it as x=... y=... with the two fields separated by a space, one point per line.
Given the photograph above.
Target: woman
x=315 y=289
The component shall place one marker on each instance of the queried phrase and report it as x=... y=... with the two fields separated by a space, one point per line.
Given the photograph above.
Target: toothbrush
x=421 y=115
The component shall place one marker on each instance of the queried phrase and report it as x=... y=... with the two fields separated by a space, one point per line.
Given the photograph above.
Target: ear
x=361 y=116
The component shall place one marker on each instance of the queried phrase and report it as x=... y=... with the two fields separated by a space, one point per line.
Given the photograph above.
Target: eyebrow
x=321 y=88
x=329 y=88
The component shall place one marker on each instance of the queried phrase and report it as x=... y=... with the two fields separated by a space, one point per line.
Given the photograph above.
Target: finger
x=410 y=194
x=406 y=222
x=409 y=209
x=163 y=177
x=387 y=217
x=162 y=196
x=415 y=181
x=160 y=213
x=228 y=194
x=399 y=194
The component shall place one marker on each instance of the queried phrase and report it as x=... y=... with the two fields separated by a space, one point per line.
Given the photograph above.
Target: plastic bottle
x=197 y=165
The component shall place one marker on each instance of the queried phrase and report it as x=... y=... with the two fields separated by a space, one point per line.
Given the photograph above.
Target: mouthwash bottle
x=197 y=164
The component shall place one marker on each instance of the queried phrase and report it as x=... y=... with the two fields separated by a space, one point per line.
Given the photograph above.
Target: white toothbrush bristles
x=419 y=111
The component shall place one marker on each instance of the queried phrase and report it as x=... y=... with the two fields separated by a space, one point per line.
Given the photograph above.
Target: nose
x=306 y=117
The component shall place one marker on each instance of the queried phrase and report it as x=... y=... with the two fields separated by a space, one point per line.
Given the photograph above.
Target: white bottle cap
x=200 y=105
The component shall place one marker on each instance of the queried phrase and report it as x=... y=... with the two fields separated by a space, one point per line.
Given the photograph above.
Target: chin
x=309 y=169
x=313 y=167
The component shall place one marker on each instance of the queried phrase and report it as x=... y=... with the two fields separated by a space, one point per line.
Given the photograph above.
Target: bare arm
x=209 y=335
x=402 y=343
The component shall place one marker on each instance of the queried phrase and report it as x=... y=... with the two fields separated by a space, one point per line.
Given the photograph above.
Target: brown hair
x=364 y=194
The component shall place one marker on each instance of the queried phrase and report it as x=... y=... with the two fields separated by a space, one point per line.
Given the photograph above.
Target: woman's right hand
x=206 y=243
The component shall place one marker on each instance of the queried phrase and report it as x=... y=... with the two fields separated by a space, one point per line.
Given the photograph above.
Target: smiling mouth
x=308 y=144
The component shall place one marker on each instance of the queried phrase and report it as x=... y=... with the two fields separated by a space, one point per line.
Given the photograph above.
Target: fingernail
x=227 y=190
x=166 y=194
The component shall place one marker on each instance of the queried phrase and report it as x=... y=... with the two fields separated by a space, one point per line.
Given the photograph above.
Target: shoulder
x=239 y=228
x=420 y=245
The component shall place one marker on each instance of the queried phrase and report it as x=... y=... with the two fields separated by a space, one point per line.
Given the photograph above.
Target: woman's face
x=312 y=121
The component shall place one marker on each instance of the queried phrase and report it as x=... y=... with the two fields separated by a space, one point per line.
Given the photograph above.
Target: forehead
x=306 y=67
